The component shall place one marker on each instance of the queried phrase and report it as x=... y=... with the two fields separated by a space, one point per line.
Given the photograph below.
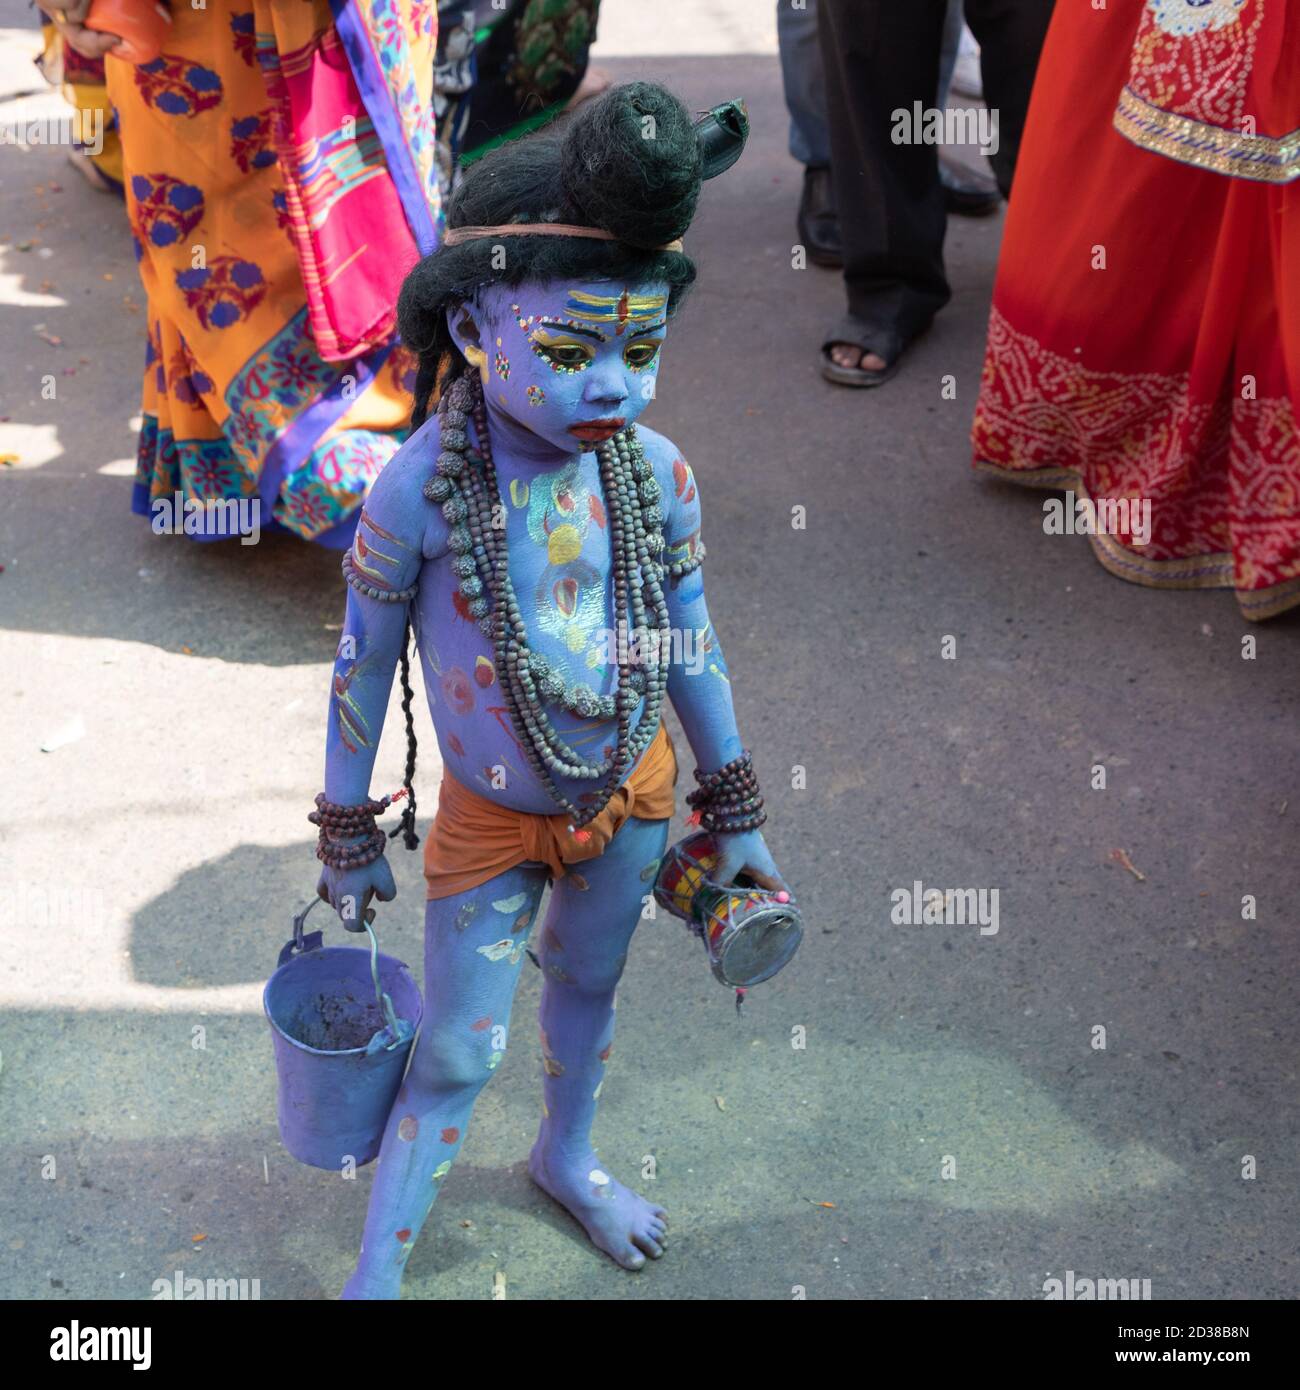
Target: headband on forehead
x=457 y=235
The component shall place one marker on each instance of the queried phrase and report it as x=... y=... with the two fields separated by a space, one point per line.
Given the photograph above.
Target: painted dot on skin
x=536 y=396
x=598 y=1177
x=450 y=1135
x=511 y=904
x=404 y=1234
x=481 y=1025
x=578 y=881
x=441 y=1171
x=604 y=1056
x=408 y=1128
x=563 y=544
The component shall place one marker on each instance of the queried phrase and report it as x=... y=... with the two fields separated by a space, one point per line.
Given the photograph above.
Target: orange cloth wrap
x=473 y=839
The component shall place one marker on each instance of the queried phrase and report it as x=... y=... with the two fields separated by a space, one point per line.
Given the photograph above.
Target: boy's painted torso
x=558 y=540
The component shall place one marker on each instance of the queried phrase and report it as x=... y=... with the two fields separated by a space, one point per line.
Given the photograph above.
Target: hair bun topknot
x=632 y=165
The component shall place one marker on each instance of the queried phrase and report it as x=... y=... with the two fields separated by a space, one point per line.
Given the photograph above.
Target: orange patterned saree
x=280 y=181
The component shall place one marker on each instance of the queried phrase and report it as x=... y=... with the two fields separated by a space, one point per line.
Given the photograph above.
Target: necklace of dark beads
x=465 y=486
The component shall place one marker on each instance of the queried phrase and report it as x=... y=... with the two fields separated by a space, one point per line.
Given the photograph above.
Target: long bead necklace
x=465 y=486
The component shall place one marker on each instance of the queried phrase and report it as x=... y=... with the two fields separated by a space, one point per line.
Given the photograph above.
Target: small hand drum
x=750 y=932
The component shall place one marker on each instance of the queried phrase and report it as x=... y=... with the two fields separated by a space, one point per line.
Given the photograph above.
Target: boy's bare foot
x=622 y=1224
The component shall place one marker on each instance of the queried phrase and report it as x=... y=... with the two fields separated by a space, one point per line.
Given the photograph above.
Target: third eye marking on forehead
x=620 y=310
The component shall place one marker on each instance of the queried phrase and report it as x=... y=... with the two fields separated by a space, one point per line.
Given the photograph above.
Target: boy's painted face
x=573 y=363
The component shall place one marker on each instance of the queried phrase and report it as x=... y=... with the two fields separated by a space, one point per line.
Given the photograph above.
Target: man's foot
x=594 y=81
x=847 y=364
x=625 y=1226
x=967 y=191
x=846 y=355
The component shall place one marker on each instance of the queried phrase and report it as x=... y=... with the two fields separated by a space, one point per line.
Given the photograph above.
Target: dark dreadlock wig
x=629 y=162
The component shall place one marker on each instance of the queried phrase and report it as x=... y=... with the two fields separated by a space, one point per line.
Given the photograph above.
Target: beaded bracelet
x=338 y=856
x=338 y=822
x=728 y=800
x=369 y=590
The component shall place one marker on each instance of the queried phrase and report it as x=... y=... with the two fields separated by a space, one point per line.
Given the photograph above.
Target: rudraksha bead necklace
x=465 y=486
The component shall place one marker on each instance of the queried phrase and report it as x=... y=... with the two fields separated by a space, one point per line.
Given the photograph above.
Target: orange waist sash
x=473 y=839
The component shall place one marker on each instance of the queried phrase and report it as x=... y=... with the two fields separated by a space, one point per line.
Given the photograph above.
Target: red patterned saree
x=1144 y=342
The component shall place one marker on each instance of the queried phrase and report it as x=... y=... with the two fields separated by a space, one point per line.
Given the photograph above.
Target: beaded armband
x=728 y=800
x=369 y=590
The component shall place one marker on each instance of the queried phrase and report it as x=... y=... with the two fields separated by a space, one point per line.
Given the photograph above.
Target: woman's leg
x=473 y=946
x=583 y=951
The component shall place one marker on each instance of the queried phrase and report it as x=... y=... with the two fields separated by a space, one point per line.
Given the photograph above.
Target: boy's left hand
x=746 y=850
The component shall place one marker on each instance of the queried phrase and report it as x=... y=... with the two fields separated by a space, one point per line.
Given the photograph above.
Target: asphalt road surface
x=908 y=1111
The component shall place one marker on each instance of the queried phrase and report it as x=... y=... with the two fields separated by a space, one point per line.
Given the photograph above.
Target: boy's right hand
x=349 y=891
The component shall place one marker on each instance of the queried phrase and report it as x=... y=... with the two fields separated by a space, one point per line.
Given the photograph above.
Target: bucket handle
x=303 y=941
x=300 y=942
x=383 y=999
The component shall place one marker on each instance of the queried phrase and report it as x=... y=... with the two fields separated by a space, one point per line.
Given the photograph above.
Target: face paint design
x=580 y=359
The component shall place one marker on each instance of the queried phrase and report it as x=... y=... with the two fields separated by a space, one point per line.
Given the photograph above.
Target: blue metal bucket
x=342 y=1021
